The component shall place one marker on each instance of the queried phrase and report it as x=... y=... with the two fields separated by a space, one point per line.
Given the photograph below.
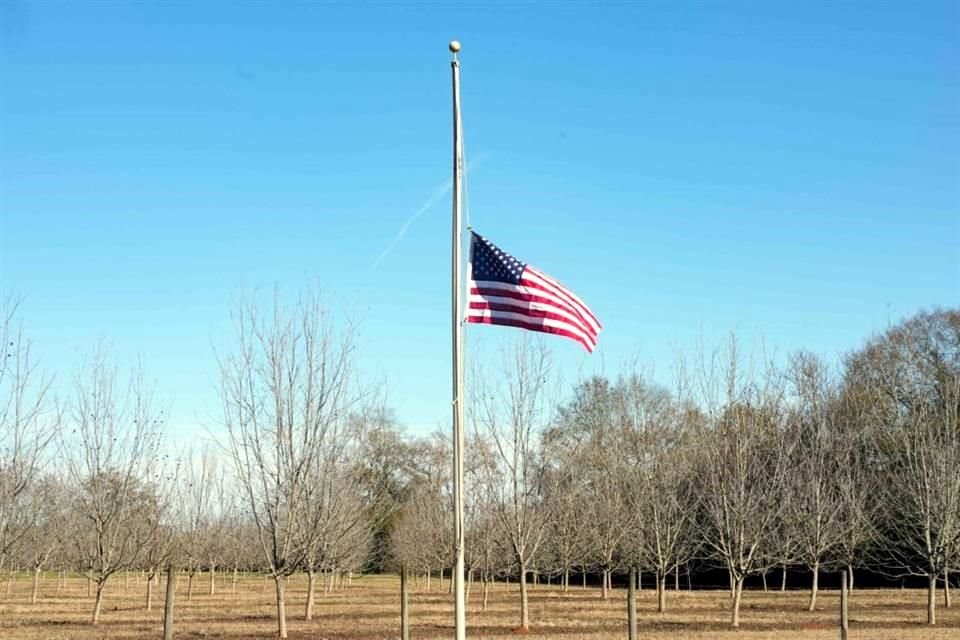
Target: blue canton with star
x=490 y=263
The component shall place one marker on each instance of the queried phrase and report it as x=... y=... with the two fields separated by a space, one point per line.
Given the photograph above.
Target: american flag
x=505 y=291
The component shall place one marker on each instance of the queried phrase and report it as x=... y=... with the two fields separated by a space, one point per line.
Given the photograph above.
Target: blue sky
x=784 y=170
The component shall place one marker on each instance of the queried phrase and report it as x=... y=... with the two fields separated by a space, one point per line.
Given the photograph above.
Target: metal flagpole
x=459 y=607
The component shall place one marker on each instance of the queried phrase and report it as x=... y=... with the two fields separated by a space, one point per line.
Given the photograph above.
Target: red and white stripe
x=538 y=303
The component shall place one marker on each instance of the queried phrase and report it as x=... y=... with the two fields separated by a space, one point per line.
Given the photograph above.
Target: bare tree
x=566 y=543
x=349 y=550
x=422 y=537
x=912 y=375
x=656 y=434
x=162 y=549
x=111 y=451
x=201 y=497
x=333 y=518
x=511 y=410
x=240 y=548
x=859 y=482
x=924 y=486
x=287 y=392
x=28 y=422
x=585 y=438
x=44 y=503
x=606 y=516
x=486 y=554
x=587 y=488
x=156 y=555
x=385 y=465
x=165 y=549
x=815 y=501
x=743 y=462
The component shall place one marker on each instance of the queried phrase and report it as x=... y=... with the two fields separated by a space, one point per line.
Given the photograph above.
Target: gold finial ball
x=454 y=46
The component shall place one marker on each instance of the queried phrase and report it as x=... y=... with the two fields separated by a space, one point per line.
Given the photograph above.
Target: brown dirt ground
x=369 y=610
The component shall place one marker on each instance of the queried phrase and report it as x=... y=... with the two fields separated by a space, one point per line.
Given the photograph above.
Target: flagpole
x=459 y=606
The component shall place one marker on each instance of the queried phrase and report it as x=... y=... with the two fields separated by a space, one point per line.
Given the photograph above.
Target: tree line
x=744 y=464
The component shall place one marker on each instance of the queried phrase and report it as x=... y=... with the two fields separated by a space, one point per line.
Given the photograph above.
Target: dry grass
x=369 y=609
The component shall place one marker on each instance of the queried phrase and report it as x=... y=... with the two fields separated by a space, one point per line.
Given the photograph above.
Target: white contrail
x=435 y=197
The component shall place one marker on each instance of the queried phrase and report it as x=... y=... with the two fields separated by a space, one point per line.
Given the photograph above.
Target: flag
x=505 y=291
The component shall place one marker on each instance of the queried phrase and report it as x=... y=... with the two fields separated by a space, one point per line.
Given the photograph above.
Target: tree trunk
x=946 y=587
x=814 y=585
x=486 y=590
x=311 y=580
x=605 y=591
x=850 y=581
x=661 y=593
x=584 y=578
x=168 y=604
x=676 y=578
x=233 y=586
x=932 y=599
x=89 y=583
x=737 y=595
x=213 y=578
x=404 y=610
x=441 y=579
x=524 y=608
x=189 y=584
x=733 y=585
x=149 y=592
x=566 y=579
x=639 y=580
x=763 y=576
x=98 y=601
x=36 y=585
x=632 y=605
x=281 y=606
x=783 y=578
x=844 y=606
